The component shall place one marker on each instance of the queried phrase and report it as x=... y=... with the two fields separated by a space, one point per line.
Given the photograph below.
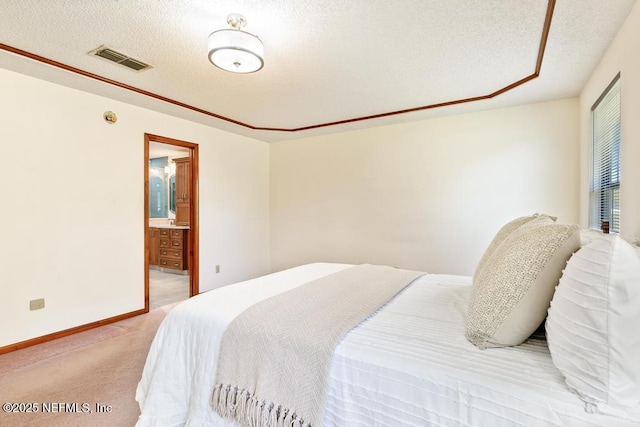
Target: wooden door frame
x=193 y=240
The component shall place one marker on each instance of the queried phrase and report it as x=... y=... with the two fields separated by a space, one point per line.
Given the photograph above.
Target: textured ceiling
x=325 y=60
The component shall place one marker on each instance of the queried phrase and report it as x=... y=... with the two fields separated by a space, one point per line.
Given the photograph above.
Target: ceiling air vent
x=119 y=58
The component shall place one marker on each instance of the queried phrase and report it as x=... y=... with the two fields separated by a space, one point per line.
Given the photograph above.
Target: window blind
x=604 y=197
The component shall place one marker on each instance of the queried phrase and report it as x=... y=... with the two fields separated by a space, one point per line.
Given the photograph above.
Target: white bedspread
x=408 y=365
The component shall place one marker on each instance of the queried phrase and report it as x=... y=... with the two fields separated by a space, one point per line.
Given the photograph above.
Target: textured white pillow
x=593 y=326
x=503 y=233
x=511 y=293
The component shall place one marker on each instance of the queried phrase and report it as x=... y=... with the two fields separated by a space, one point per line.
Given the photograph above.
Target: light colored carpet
x=99 y=366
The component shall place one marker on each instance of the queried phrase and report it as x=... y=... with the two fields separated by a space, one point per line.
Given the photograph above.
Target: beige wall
x=72 y=217
x=426 y=195
x=622 y=56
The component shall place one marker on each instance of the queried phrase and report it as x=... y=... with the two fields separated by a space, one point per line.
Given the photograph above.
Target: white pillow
x=588 y=236
x=503 y=233
x=511 y=292
x=593 y=326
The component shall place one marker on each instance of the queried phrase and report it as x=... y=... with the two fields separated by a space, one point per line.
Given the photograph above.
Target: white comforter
x=408 y=365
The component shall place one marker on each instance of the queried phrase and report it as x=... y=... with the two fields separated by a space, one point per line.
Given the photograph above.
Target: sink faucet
x=171 y=221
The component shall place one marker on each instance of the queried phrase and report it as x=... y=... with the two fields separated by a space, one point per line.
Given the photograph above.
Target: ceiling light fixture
x=235 y=50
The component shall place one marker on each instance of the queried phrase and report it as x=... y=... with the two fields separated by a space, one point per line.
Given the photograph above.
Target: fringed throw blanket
x=275 y=356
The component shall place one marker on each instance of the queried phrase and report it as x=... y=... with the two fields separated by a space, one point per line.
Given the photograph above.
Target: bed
x=407 y=365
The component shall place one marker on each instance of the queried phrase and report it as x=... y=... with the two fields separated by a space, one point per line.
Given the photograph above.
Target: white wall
x=426 y=195
x=622 y=56
x=73 y=199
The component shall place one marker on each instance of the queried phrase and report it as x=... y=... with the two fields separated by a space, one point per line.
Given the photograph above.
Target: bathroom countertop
x=178 y=227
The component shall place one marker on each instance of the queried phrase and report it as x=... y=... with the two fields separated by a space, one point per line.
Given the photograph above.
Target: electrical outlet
x=217 y=269
x=36 y=304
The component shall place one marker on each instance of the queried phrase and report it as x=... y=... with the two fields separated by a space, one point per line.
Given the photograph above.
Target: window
x=604 y=196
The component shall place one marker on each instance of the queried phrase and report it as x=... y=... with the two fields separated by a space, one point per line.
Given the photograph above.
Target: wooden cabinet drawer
x=171 y=253
x=169 y=248
x=171 y=263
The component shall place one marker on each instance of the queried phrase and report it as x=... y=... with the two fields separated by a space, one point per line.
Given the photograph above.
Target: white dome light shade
x=236 y=51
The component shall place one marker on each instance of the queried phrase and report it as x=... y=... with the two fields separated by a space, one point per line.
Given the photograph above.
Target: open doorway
x=171 y=220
